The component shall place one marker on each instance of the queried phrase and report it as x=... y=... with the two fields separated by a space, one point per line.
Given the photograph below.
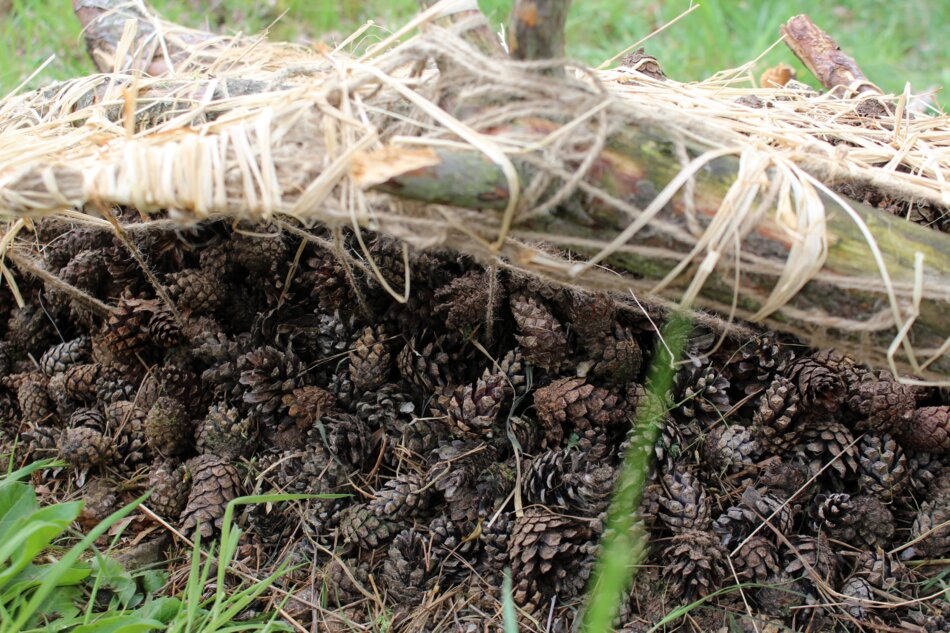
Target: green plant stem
x=624 y=544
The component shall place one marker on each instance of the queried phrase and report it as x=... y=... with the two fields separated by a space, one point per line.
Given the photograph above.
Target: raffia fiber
x=242 y=128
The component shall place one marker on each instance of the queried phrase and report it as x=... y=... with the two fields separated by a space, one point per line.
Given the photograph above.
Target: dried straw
x=244 y=128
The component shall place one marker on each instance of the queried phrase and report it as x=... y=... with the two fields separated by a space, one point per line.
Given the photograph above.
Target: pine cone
x=542 y=337
x=453 y=549
x=426 y=364
x=33 y=400
x=99 y=500
x=858 y=593
x=168 y=429
x=112 y=386
x=348 y=439
x=758 y=362
x=468 y=301
x=618 y=357
x=684 y=506
x=929 y=431
x=226 y=433
x=731 y=449
x=592 y=315
x=515 y=368
x=328 y=283
x=387 y=408
x=370 y=361
x=739 y=521
x=571 y=403
x=126 y=333
x=775 y=420
x=819 y=385
x=695 y=564
x=549 y=556
x=464 y=472
x=417 y=439
x=267 y=374
x=883 y=571
x=828 y=442
x=126 y=422
x=371 y=524
x=80 y=381
x=882 y=467
x=493 y=554
x=215 y=482
x=29 y=329
x=260 y=255
x=85 y=447
x=199 y=291
x=183 y=385
x=163 y=327
x=407 y=570
x=835 y=514
x=60 y=357
x=473 y=409
x=811 y=554
x=568 y=479
x=933 y=513
x=881 y=403
x=308 y=404
x=704 y=392
x=756 y=560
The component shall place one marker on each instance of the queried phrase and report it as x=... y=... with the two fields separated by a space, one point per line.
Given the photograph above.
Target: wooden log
x=824 y=58
x=536 y=31
x=833 y=308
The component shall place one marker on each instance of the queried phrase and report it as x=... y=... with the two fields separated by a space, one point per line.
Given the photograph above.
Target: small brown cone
x=929 y=431
x=542 y=338
x=215 y=482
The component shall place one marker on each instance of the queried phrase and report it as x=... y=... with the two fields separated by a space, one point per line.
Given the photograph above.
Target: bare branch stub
x=536 y=30
x=824 y=58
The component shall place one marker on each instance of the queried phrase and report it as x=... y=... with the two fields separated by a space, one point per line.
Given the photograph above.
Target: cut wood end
x=369 y=169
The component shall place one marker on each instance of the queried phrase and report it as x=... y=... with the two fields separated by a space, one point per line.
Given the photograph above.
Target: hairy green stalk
x=624 y=544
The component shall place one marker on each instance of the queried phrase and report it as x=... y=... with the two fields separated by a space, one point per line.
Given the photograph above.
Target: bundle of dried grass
x=432 y=137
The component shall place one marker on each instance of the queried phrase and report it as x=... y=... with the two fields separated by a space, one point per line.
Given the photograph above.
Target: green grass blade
x=509 y=614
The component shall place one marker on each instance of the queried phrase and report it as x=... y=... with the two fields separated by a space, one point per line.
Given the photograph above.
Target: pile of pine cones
x=476 y=427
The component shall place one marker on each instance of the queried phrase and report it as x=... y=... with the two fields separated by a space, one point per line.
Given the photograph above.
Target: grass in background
x=893 y=42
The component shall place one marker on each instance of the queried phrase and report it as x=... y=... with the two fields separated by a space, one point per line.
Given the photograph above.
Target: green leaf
x=152 y=580
x=163 y=608
x=32 y=534
x=17 y=500
x=120 y=624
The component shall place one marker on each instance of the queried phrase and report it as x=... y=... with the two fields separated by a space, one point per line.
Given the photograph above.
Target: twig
x=824 y=58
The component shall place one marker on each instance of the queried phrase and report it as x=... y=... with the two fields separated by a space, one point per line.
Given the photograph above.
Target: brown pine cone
x=513 y=365
x=181 y=384
x=618 y=357
x=828 y=442
x=593 y=315
x=85 y=447
x=113 y=385
x=474 y=409
x=33 y=399
x=29 y=329
x=775 y=420
x=126 y=422
x=454 y=550
x=348 y=439
x=267 y=374
x=549 y=555
x=684 y=506
x=494 y=539
x=226 y=433
x=126 y=332
x=163 y=327
x=754 y=508
x=874 y=522
x=542 y=338
x=426 y=364
x=835 y=514
x=883 y=571
x=408 y=571
x=881 y=404
x=704 y=392
x=59 y=358
x=933 y=513
x=416 y=440
x=464 y=301
x=399 y=500
x=199 y=291
x=308 y=404
x=258 y=254
x=858 y=593
x=731 y=449
x=370 y=360
x=327 y=280
x=929 y=431
x=757 y=363
x=81 y=381
x=99 y=500
x=695 y=564
x=168 y=429
x=568 y=479
x=571 y=403
x=215 y=482
x=820 y=386
x=757 y=560
x=882 y=465
x=811 y=554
